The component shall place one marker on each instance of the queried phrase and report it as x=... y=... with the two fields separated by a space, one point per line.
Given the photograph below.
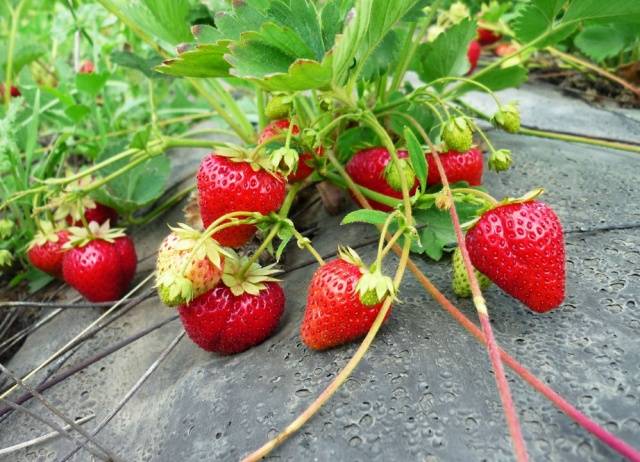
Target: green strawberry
x=508 y=118
x=457 y=134
x=186 y=269
x=393 y=174
x=461 y=285
x=278 y=107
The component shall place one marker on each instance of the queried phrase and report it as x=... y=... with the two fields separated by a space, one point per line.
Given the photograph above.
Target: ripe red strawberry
x=335 y=313
x=458 y=167
x=100 y=214
x=473 y=55
x=225 y=323
x=13 y=91
x=237 y=315
x=46 y=252
x=86 y=67
x=520 y=247
x=367 y=168
x=100 y=262
x=487 y=36
x=231 y=185
x=305 y=166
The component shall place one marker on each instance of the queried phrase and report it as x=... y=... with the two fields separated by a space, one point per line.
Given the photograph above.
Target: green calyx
x=6 y=228
x=373 y=286
x=279 y=107
x=46 y=233
x=256 y=159
x=6 y=258
x=394 y=172
x=457 y=134
x=507 y=118
x=285 y=159
x=530 y=196
x=73 y=201
x=174 y=289
x=79 y=237
x=500 y=160
x=178 y=280
x=460 y=279
x=240 y=279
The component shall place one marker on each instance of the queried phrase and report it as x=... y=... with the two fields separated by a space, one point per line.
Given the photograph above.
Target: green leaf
x=203 y=61
x=302 y=17
x=372 y=217
x=384 y=57
x=141 y=138
x=609 y=10
x=91 y=84
x=277 y=59
x=447 y=54
x=599 y=42
x=136 y=188
x=353 y=140
x=418 y=159
x=165 y=19
x=23 y=55
x=332 y=19
x=421 y=113
x=285 y=235
x=438 y=234
x=497 y=79
x=536 y=17
x=372 y=21
x=77 y=112
x=133 y=61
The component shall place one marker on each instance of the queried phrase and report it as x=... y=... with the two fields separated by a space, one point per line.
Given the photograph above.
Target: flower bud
x=500 y=160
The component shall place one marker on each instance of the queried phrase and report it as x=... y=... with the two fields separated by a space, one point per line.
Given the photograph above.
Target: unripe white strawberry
x=187 y=266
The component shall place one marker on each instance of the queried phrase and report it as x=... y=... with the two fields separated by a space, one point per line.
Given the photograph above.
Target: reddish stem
x=478 y=300
x=581 y=419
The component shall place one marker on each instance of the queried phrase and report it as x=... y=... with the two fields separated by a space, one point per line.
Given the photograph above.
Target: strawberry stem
x=481 y=308
x=282 y=214
x=558 y=136
x=383 y=233
x=599 y=432
x=342 y=376
x=308 y=246
x=486 y=197
x=369 y=193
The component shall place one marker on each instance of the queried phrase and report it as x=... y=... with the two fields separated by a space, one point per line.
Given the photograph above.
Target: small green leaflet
x=418 y=159
x=91 y=84
x=166 y=19
x=535 y=17
x=600 y=42
x=371 y=23
x=538 y=17
x=136 y=188
x=133 y=61
x=372 y=217
x=609 y=10
x=437 y=233
x=353 y=140
x=447 y=54
x=205 y=60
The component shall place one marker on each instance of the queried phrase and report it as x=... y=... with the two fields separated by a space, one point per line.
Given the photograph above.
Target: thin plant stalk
x=64 y=348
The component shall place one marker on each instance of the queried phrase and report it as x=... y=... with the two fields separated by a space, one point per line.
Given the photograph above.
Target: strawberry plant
x=361 y=94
